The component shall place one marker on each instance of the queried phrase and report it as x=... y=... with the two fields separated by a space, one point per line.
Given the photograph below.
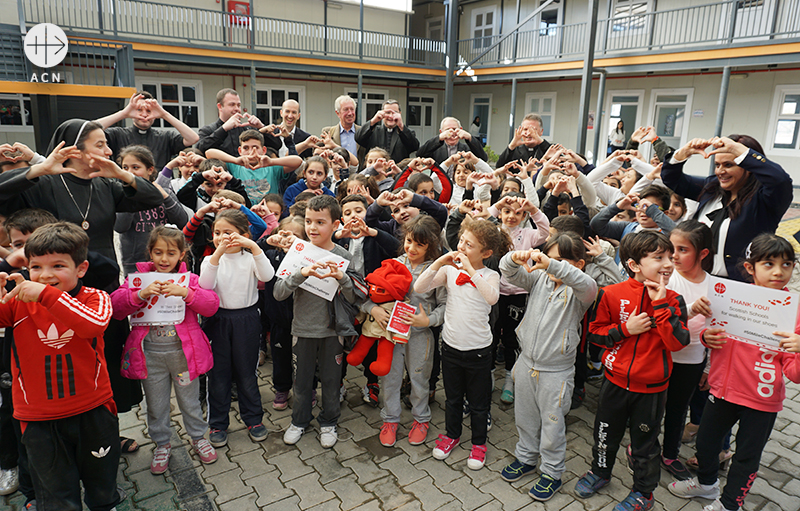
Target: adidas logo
x=102 y=453
x=52 y=338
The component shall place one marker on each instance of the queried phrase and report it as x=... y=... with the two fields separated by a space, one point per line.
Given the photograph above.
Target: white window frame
x=627 y=31
x=364 y=101
x=197 y=103
x=654 y=93
x=474 y=14
x=540 y=96
x=269 y=87
x=430 y=21
x=17 y=128
x=472 y=98
x=777 y=104
x=605 y=121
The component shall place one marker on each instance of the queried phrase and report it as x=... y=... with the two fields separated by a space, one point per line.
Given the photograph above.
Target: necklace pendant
x=85 y=225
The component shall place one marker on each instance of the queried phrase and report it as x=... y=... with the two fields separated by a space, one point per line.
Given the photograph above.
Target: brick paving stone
x=411 y=506
x=786 y=502
x=416 y=453
x=310 y=491
x=223 y=464
x=470 y=497
x=429 y=495
x=504 y=493
x=442 y=474
x=328 y=466
x=347 y=449
x=239 y=442
x=147 y=485
x=289 y=465
x=161 y=502
x=351 y=494
x=388 y=492
x=244 y=502
x=290 y=504
x=330 y=505
x=309 y=449
x=403 y=470
x=269 y=489
x=252 y=464
x=492 y=505
x=359 y=428
x=229 y=485
x=365 y=468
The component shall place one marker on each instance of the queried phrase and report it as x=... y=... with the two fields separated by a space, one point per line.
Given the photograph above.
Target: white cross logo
x=46 y=45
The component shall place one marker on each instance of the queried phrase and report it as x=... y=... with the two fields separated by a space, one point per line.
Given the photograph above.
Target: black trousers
x=615 y=408
x=9 y=453
x=755 y=427
x=280 y=340
x=682 y=383
x=467 y=373
x=510 y=309
x=235 y=339
x=64 y=453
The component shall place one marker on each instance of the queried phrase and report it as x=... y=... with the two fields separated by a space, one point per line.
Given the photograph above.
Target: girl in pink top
x=746 y=387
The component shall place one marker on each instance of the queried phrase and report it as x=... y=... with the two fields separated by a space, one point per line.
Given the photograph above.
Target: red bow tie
x=463 y=278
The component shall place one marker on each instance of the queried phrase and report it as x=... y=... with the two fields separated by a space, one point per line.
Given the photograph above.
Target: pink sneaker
x=444 y=445
x=205 y=450
x=160 y=459
x=477 y=457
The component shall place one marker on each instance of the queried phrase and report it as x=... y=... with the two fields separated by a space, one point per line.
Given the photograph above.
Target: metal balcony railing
x=703 y=26
x=157 y=22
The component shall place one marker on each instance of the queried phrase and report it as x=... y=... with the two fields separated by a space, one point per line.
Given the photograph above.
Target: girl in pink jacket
x=166 y=354
x=746 y=387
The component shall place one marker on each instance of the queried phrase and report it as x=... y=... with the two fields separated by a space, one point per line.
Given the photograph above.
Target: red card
x=395 y=325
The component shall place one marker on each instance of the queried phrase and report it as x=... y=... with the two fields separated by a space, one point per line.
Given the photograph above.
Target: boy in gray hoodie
x=549 y=336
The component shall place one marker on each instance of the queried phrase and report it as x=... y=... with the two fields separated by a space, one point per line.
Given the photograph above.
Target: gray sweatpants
x=417 y=357
x=162 y=372
x=541 y=400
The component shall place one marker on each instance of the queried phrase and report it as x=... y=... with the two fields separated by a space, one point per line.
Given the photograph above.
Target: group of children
x=484 y=270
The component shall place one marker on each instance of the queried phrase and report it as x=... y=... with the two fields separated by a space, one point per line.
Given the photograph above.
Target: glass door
x=421 y=116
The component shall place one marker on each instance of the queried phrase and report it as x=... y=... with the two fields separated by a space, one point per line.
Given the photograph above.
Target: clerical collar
x=143 y=132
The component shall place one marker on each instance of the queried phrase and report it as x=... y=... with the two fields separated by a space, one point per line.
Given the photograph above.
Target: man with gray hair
x=527 y=142
x=391 y=135
x=344 y=133
x=451 y=140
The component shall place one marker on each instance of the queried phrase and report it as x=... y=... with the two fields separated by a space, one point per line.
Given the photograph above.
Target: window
x=669 y=114
x=482 y=108
x=392 y=5
x=269 y=100
x=483 y=27
x=372 y=101
x=629 y=15
x=544 y=104
x=15 y=113
x=435 y=28
x=785 y=123
x=181 y=98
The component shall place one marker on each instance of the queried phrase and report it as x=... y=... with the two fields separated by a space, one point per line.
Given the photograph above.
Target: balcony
x=701 y=27
x=158 y=22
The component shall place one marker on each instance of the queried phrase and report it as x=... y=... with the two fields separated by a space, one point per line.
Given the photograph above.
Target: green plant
x=493 y=157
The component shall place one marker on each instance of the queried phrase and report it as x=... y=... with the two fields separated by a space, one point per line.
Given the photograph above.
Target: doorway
x=625 y=106
x=481 y=106
x=421 y=116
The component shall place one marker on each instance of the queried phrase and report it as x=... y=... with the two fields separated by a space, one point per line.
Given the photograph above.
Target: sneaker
x=500 y=358
x=676 y=468
x=589 y=484
x=489 y=421
x=418 y=433
x=444 y=445
x=545 y=488
x=328 y=436
x=218 y=438
x=205 y=450
x=9 y=481
x=258 y=433
x=371 y=391
x=388 y=434
x=715 y=506
x=578 y=396
x=160 y=459
x=515 y=470
x=281 y=401
x=635 y=501
x=342 y=393
x=692 y=488
x=594 y=373
x=477 y=457
x=507 y=397
x=292 y=434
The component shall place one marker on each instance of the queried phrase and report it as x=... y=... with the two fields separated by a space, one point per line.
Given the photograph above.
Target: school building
x=684 y=66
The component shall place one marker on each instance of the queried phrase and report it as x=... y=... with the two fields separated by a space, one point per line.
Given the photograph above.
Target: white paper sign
x=159 y=310
x=301 y=254
x=751 y=313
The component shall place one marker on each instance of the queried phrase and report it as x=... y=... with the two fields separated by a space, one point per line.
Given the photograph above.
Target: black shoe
x=577 y=398
x=500 y=359
x=594 y=373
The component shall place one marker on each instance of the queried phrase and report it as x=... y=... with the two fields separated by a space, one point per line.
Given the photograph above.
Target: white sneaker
x=692 y=488
x=717 y=506
x=328 y=436
x=292 y=434
x=9 y=481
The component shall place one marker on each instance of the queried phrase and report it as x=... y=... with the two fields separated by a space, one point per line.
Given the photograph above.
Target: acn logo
x=719 y=287
x=46 y=45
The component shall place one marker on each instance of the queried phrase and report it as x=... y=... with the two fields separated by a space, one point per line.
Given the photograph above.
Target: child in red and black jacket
x=639 y=322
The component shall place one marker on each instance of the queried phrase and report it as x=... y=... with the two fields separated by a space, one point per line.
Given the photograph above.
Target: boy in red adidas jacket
x=639 y=322
x=61 y=391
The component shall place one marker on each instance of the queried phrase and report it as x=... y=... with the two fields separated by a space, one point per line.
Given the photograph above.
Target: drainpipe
x=253 y=97
x=723 y=98
x=598 y=116
x=586 y=77
x=452 y=55
x=511 y=123
x=358 y=103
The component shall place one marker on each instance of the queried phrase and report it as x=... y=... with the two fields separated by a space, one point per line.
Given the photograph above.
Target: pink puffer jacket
x=196 y=346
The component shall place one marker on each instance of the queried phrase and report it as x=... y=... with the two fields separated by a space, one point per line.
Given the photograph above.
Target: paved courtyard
x=359 y=473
